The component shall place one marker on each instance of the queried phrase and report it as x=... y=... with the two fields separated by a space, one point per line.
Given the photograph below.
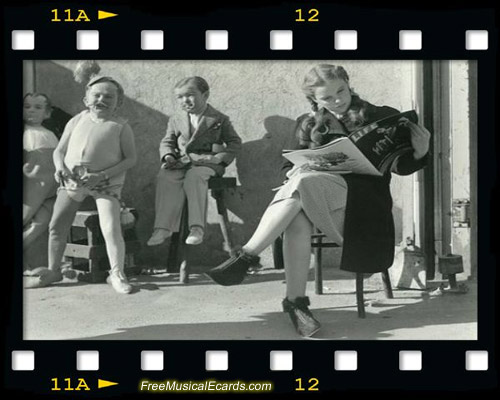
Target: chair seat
x=86 y=242
x=220 y=183
x=321 y=245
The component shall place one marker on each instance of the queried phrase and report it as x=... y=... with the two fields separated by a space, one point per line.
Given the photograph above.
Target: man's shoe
x=303 y=320
x=119 y=282
x=195 y=236
x=159 y=236
x=234 y=270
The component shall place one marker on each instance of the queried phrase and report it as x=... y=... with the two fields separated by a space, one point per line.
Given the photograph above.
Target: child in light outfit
x=95 y=151
x=200 y=142
x=39 y=186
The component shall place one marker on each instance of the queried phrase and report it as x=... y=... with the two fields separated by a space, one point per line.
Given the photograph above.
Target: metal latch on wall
x=461 y=213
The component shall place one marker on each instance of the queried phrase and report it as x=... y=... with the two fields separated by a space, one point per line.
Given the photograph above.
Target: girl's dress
x=323 y=196
x=353 y=210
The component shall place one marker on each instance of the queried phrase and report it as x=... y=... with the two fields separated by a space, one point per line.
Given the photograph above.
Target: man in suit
x=200 y=142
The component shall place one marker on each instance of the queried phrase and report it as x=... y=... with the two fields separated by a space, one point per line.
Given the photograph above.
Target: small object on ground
x=254 y=270
x=462 y=288
x=153 y=271
x=373 y=303
x=69 y=272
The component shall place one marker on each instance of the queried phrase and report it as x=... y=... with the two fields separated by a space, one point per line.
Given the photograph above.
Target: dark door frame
x=427 y=174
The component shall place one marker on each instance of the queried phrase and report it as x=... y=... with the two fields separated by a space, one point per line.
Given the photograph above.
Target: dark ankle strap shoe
x=302 y=319
x=234 y=270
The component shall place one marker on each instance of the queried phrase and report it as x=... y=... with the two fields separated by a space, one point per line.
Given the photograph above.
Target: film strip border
x=403 y=34
x=290 y=367
x=268 y=32
x=279 y=360
x=278 y=40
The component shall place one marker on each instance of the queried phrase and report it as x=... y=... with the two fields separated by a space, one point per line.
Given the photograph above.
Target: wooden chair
x=86 y=248
x=318 y=244
x=178 y=257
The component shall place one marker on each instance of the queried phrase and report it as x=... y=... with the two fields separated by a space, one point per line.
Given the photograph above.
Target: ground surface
x=161 y=308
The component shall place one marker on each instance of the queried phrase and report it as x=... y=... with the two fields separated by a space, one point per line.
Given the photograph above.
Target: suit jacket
x=369 y=236
x=213 y=128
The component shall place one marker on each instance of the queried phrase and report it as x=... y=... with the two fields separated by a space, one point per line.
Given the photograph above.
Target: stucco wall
x=460 y=160
x=261 y=97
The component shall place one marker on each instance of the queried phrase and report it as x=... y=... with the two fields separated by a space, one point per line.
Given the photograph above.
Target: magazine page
x=339 y=156
x=384 y=140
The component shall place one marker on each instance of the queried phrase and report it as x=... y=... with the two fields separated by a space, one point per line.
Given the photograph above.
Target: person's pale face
x=191 y=99
x=102 y=99
x=35 y=110
x=335 y=96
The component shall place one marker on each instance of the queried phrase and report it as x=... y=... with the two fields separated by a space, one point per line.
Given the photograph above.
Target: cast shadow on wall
x=148 y=125
x=258 y=167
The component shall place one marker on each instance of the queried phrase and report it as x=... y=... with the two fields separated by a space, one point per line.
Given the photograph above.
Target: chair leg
x=66 y=259
x=182 y=252
x=97 y=274
x=359 y=295
x=172 y=252
x=223 y=219
x=386 y=279
x=317 y=267
x=177 y=254
x=184 y=272
x=278 y=253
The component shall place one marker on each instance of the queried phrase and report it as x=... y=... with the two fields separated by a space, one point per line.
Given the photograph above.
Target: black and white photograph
x=166 y=200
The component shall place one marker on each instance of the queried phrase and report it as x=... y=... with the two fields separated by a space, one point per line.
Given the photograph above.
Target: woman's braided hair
x=321 y=127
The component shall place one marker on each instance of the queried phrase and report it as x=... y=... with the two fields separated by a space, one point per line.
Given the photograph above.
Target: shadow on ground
x=413 y=315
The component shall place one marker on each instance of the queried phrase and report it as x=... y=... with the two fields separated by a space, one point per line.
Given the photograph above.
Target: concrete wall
x=460 y=160
x=262 y=98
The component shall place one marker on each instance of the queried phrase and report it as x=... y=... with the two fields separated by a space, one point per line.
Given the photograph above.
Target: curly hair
x=318 y=76
x=321 y=127
x=318 y=129
x=85 y=70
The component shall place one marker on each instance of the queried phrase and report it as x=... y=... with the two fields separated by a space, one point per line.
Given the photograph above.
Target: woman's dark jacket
x=369 y=237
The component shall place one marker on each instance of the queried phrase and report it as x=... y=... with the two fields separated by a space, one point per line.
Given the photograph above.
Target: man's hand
x=168 y=161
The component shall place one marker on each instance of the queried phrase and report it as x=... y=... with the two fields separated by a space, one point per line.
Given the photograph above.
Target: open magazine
x=371 y=150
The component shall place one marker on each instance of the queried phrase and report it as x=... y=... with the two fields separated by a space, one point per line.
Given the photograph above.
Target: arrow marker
x=105 y=14
x=102 y=384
